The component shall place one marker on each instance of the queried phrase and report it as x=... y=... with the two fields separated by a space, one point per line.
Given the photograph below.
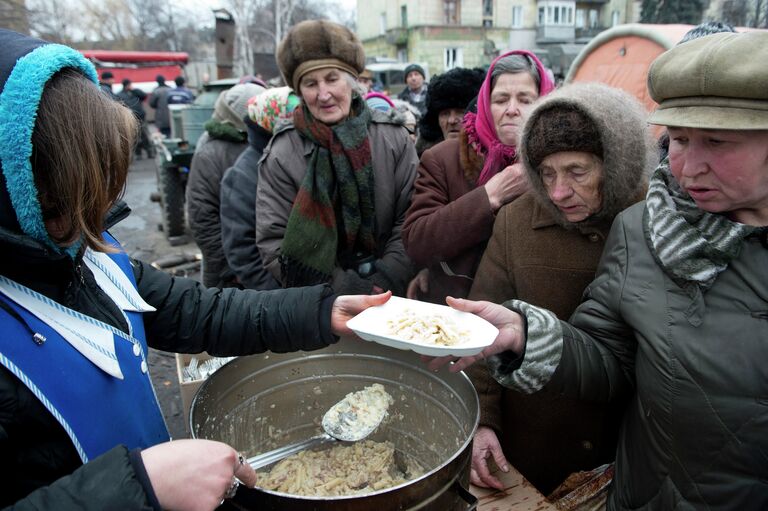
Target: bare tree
x=14 y=15
x=53 y=20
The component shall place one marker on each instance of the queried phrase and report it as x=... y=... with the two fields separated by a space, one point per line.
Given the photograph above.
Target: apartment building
x=443 y=34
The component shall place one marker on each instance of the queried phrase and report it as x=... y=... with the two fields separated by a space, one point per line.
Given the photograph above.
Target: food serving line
x=263 y=403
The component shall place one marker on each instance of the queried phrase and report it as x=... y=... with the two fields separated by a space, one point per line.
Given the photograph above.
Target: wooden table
x=518 y=495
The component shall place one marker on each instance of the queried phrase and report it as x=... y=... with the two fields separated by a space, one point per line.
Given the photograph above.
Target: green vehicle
x=174 y=157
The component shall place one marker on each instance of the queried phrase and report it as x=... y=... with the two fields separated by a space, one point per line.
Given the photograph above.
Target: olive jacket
x=694 y=432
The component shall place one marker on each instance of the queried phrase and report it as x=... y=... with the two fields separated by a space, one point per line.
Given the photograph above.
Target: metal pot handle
x=465 y=495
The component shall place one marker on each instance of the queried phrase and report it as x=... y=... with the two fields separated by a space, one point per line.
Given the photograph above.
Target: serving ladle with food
x=350 y=420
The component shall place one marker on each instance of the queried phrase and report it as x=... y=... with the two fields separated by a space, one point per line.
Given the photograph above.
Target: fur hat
x=232 y=104
x=452 y=89
x=562 y=129
x=611 y=123
x=414 y=67
x=317 y=44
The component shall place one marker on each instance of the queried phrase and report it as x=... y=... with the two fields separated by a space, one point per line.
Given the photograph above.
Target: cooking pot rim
x=457 y=452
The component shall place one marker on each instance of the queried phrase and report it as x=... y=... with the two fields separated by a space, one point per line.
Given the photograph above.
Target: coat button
x=594 y=237
x=136 y=349
x=587 y=445
x=144 y=366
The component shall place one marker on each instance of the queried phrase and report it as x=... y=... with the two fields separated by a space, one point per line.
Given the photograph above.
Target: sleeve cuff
x=141 y=474
x=530 y=371
x=326 y=308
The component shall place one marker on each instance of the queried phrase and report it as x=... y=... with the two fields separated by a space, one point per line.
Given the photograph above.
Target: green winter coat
x=695 y=434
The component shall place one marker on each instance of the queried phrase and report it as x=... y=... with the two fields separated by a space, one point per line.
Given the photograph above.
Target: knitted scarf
x=691 y=245
x=339 y=179
x=481 y=128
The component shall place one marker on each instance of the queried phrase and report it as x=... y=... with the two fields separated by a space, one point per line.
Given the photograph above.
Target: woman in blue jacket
x=80 y=426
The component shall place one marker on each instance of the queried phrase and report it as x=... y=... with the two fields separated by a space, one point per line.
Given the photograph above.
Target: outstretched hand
x=347 y=307
x=484 y=447
x=194 y=475
x=511 y=335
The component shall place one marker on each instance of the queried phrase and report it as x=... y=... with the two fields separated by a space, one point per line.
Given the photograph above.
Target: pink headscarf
x=481 y=130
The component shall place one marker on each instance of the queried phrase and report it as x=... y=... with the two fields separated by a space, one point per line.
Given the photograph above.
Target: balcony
x=397 y=36
x=555 y=34
x=587 y=33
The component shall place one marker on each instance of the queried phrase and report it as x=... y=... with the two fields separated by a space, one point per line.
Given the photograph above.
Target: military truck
x=174 y=157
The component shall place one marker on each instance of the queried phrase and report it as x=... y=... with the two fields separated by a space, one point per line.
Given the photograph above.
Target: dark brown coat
x=530 y=257
x=450 y=219
x=537 y=256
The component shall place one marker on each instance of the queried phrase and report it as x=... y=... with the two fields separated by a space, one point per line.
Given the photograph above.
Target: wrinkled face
x=724 y=171
x=573 y=182
x=450 y=122
x=512 y=98
x=327 y=93
x=414 y=80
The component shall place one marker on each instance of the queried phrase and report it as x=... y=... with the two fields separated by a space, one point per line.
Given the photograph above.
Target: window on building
x=517 y=16
x=594 y=18
x=451 y=12
x=556 y=13
x=404 y=16
x=453 y=57
x=487 y=8
x=383 y=23
x=402 y=55
x=581 y=18
x=615 y=18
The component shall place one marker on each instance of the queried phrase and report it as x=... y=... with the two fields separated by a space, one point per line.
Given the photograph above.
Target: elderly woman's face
x=512 y=98
x=724 y=171
x=572 y=180
x=327 y=93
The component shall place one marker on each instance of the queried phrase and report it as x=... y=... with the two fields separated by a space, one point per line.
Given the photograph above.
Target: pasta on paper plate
x=426 y=328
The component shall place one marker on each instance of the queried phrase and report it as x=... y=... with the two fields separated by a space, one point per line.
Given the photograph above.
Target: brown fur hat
x=316 y=44
x=562 y=128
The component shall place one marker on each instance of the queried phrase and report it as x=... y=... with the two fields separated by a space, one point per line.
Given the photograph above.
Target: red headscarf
x=481 y=130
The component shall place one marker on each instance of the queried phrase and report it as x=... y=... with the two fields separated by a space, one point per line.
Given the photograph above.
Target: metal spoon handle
x=269 y=457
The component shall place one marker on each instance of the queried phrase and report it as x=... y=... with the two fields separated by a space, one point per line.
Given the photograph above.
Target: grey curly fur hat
x=453 y=89
x=316 y=44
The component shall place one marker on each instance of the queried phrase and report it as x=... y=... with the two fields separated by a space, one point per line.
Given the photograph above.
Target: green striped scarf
x=692 y=245
x=339 y=178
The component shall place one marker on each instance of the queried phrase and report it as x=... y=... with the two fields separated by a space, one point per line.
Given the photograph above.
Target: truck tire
x=171 y=188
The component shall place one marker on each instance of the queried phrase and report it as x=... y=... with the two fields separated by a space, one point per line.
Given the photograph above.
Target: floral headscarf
x=481 y=130
x=270 y=106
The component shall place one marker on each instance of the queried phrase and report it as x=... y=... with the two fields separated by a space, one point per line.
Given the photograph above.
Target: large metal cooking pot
x=262 y=402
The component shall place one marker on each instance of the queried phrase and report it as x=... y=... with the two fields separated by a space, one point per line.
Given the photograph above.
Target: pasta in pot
x=355 y=469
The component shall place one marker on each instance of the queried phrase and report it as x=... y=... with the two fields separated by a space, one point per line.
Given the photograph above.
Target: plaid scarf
x=339 y=179
x=692 y=245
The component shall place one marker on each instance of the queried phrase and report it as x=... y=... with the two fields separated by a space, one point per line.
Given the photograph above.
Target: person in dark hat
x=415 y=91
x=106 y=82
x=675 y=319
x=587 y=153
x=335 y=184
x=447 y=99
x=134 y=99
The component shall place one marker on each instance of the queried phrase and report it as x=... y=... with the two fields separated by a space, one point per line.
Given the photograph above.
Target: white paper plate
x=371 y=325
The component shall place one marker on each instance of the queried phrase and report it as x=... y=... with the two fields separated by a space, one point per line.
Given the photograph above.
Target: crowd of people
x=623 y=272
